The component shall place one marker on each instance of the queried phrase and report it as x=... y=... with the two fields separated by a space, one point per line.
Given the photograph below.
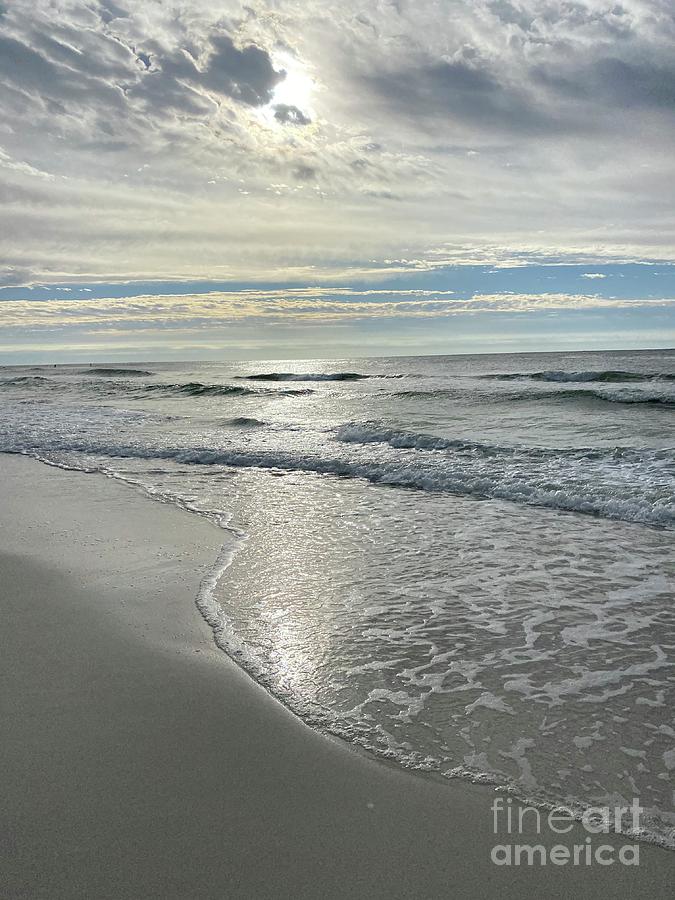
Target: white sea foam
x=630 y=484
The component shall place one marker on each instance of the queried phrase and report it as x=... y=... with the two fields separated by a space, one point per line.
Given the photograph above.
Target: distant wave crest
x=114 y=372
x=604 y=375
x=305 y=376
x=580 y=394
x=180 y=389
x=24 y=381
x=315 y=376
x=621 y=397
x=198 y=389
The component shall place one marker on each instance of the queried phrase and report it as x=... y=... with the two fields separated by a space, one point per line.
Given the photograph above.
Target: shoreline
x=142 y=761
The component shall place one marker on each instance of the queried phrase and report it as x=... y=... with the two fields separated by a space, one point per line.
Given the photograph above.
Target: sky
x=216 y=180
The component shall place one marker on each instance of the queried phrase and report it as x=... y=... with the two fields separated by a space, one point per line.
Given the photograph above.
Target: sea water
x=465 y=564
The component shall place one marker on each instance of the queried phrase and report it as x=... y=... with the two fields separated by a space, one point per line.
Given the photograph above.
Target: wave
x=572 y=488
x=301 y=392
x=648 y=399
x=198 y=389
x=372 y=433
x=180 y=389
x=604 y=375
x=355 y=433
x=580 y=394
x=303 y=376
x=24 y=381
x=113 y=372
x=314 y=376
x=245 y=422
x=430 y=394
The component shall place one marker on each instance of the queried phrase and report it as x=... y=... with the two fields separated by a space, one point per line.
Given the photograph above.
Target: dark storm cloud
x=290 y=115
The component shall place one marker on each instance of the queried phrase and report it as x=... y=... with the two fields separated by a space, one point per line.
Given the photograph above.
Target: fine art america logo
x=515 y=823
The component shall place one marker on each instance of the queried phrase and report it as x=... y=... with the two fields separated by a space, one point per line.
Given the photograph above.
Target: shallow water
x=464 y=563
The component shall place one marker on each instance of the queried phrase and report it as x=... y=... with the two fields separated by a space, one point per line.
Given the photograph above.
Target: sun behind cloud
x=293 y=96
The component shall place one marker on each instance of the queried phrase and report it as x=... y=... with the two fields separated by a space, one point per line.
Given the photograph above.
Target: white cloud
x=163 y=139
x=298 y=307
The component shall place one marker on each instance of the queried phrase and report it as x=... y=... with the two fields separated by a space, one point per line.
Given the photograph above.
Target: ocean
x=464 y=564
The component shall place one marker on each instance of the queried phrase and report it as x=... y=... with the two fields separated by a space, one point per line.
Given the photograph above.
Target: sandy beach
x=139 y=761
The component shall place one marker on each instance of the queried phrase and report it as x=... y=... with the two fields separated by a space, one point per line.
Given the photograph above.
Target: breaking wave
x=198 y=389
x=354 y=433
x=605 y=375
x=581 y=394
x=372 y=433
x=24 y=381
x=554 y=479
x=185 y=389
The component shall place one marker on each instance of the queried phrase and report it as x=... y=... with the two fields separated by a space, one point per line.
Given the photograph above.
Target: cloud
x=100 y=70
x=297 y=307
x=151 y=140
x=178 y=80
x=465 y=91
x=245 y=74
x=290 y=115
x=44 y=79
x=304 y=172
x=10 y=275
x=622 y=83
x=24 y=168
